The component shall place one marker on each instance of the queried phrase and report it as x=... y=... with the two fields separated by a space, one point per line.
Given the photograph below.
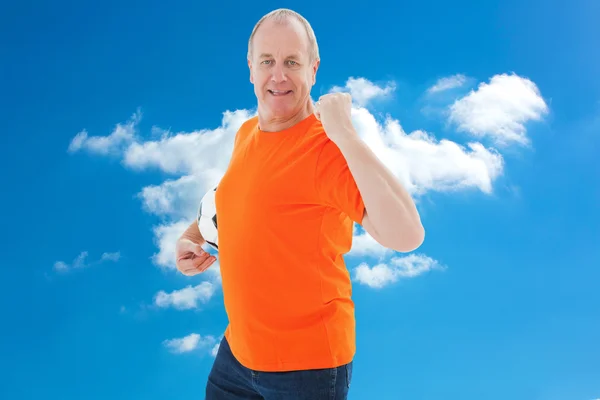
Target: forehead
x=277 y=39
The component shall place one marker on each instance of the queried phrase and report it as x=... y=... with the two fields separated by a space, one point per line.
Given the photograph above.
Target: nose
x=278 y=74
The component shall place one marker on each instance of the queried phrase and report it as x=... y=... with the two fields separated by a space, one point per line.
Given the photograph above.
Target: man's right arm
x=193 y=234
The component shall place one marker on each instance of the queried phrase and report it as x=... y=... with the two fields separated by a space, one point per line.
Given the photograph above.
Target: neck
x=268 y=123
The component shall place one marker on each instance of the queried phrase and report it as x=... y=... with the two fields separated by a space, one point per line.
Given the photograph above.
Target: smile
x=280 y=92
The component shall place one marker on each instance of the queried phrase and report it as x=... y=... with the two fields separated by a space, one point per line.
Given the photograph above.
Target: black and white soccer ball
x=207 y=219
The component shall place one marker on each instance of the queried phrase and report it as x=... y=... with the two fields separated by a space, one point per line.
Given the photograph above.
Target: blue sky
x=501 y=300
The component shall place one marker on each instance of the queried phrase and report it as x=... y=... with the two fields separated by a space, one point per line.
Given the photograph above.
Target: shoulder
x=245 y=128
x=248 y=125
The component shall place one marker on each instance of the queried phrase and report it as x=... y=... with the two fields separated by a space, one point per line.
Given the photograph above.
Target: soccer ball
x=207 y=219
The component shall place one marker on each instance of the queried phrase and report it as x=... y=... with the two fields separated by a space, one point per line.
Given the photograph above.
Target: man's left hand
x=334 y=111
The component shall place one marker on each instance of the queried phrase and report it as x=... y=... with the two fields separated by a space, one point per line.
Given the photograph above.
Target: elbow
x=407 y=241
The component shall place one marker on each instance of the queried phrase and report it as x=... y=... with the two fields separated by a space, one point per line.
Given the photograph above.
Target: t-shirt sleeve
x=335 y=184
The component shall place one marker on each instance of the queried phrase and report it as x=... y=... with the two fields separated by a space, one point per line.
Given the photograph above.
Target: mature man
x=298 y=179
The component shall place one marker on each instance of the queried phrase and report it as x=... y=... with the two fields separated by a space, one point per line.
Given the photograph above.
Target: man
x=298 y=179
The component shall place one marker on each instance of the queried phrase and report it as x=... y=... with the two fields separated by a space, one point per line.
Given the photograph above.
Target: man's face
x=281 y=69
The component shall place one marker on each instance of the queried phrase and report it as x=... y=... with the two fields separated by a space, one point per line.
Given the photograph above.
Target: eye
x=265 y=61
x=292 y=62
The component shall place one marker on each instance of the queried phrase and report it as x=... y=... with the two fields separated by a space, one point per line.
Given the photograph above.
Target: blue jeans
x=230 y=380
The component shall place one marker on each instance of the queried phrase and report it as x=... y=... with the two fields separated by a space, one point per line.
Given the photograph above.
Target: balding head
x=284 y=16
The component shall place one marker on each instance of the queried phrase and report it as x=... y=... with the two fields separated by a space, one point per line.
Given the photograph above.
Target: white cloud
x=384 y=274
x=111 y=256
x=61 y=266
x=363 y=90
x=363 y=245
x=448 y=83
x=499 y=109
x=203 y=153
x=174 y=198
x=423 y=163
x=215 y=350
x=80 y=261
x=122 y=136
x=191 y=342
x=186 y=298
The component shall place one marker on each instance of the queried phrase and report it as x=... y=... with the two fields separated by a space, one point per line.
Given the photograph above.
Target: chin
x=280 y=107
x=281 y=112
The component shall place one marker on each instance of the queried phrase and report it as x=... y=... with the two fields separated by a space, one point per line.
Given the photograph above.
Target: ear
x=250 y=68
x=315 y=68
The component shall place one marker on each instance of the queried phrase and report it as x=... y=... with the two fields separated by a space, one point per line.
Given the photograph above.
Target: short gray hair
x=281 y=15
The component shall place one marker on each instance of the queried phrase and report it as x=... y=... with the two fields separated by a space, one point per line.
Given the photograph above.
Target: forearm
x=390 y=208
x=193 y=233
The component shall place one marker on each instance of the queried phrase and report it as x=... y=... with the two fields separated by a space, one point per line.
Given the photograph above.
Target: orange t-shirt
x=286 y=207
